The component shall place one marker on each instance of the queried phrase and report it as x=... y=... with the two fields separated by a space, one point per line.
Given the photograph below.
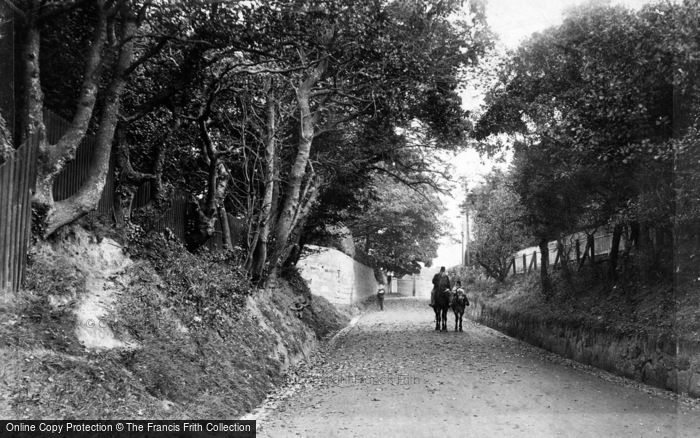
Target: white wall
x=423 y=285
x=335 y=276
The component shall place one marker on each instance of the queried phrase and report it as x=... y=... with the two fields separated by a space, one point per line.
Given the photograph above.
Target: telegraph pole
x=466 y=240
x=466 y=257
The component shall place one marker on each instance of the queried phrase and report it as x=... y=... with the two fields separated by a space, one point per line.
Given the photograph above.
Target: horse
x=441 y=306
x=459 y=302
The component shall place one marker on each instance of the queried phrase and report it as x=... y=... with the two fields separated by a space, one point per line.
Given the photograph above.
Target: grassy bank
x=172 y=334
x=634 y=303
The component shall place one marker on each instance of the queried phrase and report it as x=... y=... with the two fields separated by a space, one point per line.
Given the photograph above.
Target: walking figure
x=380 y=296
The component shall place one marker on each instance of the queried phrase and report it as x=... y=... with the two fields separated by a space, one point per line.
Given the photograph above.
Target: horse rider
x=459 y=290
x=440 y=282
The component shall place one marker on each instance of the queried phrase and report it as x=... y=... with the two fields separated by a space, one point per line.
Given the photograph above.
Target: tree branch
x=413 y=185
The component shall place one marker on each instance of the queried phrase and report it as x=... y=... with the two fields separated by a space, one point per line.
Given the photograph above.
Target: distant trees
x=499 y=225
x=591 y=106
x=399 y=228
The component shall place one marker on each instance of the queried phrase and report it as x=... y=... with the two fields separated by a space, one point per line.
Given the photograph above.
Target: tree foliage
x=499 y=225
x=398 y=229
x=591 y=106
x=259 y=111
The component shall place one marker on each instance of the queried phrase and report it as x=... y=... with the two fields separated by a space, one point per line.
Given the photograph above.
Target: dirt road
x=391 y=375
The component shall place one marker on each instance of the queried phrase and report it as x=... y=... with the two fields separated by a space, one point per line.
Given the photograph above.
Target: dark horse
x=459 y=302
x=441 y=306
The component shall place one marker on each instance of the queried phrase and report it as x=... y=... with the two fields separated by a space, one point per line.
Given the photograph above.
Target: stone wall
x=656 y=359
x=418 y=283
x=336 y=276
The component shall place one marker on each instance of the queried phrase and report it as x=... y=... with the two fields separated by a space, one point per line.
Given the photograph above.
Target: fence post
x=533 y=261
x=592 y=247
x=524 y=264
x=578 y=251
x=585 y=254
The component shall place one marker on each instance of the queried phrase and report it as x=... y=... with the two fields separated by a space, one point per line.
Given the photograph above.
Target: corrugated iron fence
x=75 y=172
x=17 y=176
x=174 y=218
x=17 y=179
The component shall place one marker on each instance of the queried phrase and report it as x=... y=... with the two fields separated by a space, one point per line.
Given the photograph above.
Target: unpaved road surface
x=392 y=375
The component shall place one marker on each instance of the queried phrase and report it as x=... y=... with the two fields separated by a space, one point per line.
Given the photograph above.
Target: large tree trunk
x=31 y=116
x=87 y=198
x=615 y=250
x=52 y=158
x=544 y=269
x=290 y=209
x=260 y=242
x=292 y=252
x=564 y=261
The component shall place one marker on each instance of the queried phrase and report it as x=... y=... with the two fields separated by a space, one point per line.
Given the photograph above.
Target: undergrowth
x=44 y=315
x=632 y=303
x=200 y=352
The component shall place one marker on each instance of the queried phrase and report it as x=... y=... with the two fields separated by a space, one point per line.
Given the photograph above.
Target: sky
x=512 y=21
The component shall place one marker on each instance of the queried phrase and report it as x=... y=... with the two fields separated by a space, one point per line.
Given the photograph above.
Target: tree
x=256 y=109
x=399 y=228
x=348 y=76
x=592 y=103
x=107 y=60
x=499 y=225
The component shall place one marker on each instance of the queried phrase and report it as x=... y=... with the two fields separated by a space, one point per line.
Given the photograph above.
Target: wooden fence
x=578 y=248
x=17 y=177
